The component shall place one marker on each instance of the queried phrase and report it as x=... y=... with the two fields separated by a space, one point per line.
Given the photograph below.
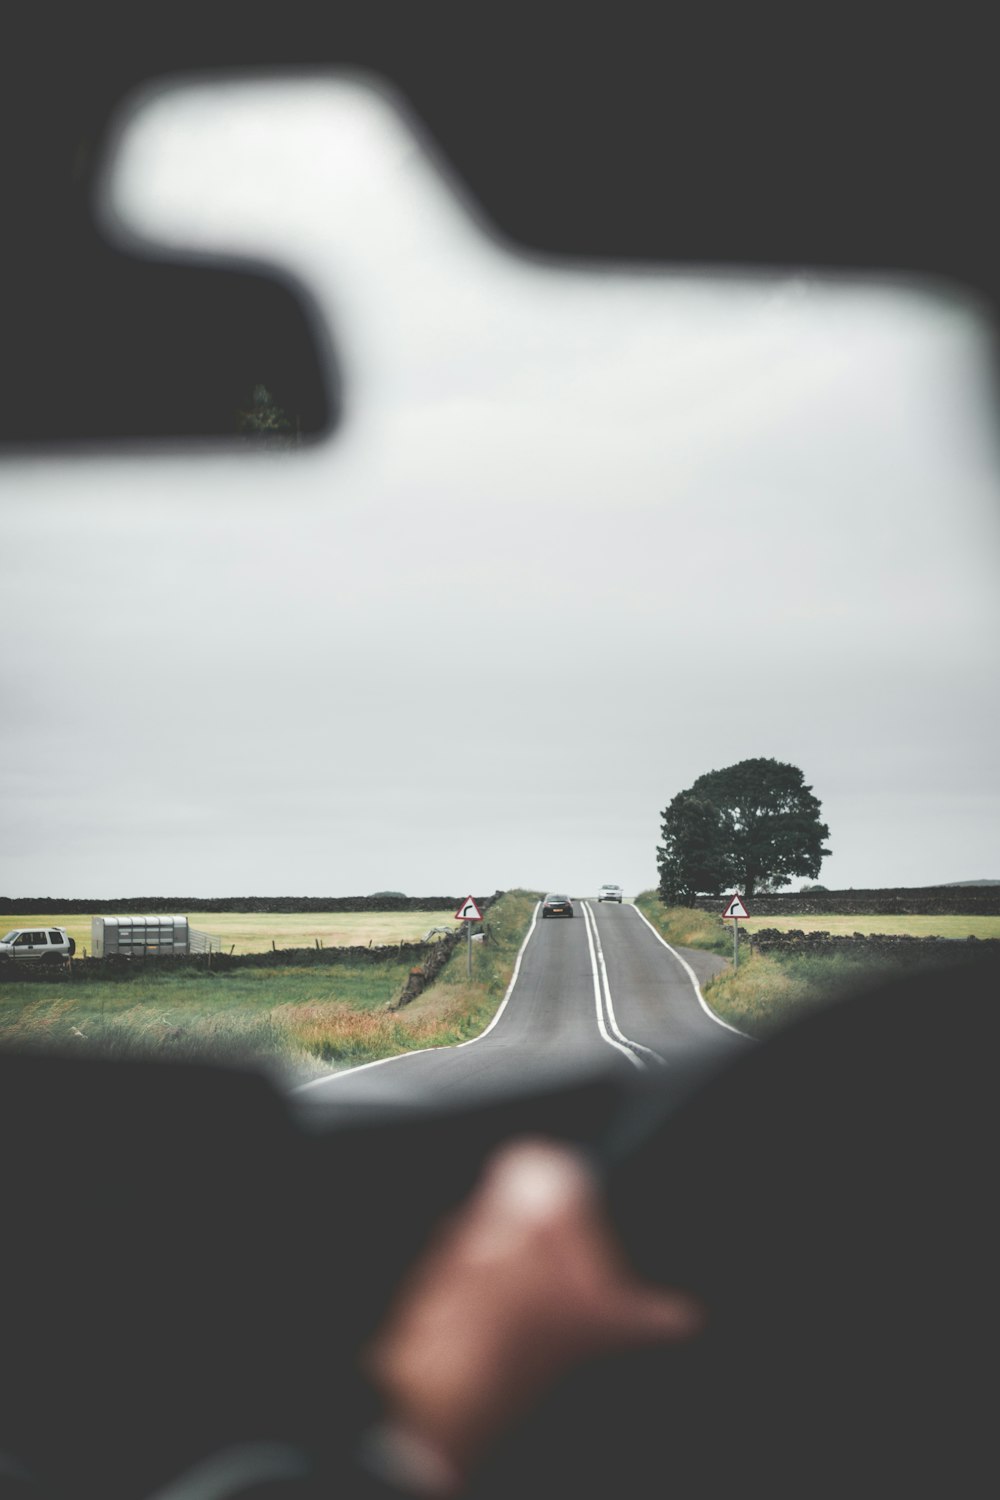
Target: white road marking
x=692 y=976
x=417 y=1051
x=513 y=980
x=634 y=1051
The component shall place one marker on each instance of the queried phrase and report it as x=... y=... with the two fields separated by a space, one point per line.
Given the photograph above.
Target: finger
x=653 y=1315
x=527 y=1186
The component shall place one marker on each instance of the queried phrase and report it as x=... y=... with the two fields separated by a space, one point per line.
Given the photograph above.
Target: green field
x=303 y=1021
x=254 y=932
x=271 y=1015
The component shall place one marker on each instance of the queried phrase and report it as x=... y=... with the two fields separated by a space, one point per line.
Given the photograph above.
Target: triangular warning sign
x=735 y=909
x=468 y=912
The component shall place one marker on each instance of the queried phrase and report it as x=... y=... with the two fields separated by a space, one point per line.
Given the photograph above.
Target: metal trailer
x=135 y=937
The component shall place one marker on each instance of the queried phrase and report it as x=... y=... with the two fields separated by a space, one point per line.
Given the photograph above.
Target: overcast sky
x=582 y=536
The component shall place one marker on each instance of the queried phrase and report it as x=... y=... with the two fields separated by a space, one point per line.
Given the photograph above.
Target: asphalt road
x=598 y=994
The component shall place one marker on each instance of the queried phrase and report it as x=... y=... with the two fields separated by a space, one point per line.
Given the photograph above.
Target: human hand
x=523 y=1281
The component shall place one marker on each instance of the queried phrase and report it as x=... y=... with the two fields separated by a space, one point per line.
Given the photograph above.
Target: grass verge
x=767 y=990
x=458 y=1007
x=686 y=926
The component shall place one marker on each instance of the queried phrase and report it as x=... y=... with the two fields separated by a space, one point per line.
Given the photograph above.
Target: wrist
x=410 y=1462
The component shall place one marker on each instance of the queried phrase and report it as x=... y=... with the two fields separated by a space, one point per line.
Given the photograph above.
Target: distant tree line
x=381 y=901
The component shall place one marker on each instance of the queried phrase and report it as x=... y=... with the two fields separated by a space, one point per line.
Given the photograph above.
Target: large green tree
x=751 y=826
x=696 y=853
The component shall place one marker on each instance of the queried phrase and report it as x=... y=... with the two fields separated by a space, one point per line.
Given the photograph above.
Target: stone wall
x=935 y=900
x=898 y=949
x=427 y=970
x=426 y=960
x=125 y=967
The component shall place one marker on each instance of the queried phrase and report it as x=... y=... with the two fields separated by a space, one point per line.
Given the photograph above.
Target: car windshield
x=9 y=936
x=390 y=630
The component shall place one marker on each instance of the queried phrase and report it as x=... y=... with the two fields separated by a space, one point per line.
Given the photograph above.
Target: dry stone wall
x=425 y=959
x=935 y=900
x=898 y=948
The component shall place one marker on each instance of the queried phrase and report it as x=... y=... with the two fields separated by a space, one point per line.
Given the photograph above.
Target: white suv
x=610 y=893
x=44 y=944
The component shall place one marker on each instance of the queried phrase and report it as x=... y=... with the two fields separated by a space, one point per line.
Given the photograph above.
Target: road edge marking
x=419 y=1051
x=691 y=975
x=510 y=988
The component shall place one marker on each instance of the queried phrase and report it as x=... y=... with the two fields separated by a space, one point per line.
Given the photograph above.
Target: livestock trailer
x=135 y=937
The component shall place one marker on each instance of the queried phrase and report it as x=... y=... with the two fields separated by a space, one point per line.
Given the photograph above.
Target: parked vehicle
x=37 y=944
x=138 y=936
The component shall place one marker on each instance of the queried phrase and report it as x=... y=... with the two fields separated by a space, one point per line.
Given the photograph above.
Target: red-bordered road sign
x=735 y=910
x=468 y=912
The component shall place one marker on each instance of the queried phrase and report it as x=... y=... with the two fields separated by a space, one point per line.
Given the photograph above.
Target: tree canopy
x=747 y=827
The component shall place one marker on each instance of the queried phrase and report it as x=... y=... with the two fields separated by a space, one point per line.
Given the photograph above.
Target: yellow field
x=896 y=926
x=253 y=932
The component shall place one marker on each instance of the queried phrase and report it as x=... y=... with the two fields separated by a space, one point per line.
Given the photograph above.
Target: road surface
x=600 y=993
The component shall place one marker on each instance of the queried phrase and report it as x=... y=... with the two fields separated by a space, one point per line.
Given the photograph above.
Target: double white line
x=640 y=1056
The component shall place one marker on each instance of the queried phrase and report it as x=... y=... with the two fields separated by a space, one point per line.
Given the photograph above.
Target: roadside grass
x=302 y=1022
x=462 y=1007
x=686 y=926
x=768 y=990
x=292 y=1019
x=254 y=932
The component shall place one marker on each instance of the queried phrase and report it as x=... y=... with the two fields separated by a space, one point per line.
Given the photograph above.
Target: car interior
x=696 y=151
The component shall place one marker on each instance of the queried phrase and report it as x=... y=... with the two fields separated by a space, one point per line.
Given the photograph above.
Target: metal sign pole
x=733 y=912
x=468 y=912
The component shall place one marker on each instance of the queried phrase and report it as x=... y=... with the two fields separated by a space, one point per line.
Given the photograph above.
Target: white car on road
x=610 y=893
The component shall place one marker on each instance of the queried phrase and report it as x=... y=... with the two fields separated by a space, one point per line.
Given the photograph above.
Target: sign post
x=736 y=913
x=469 y=912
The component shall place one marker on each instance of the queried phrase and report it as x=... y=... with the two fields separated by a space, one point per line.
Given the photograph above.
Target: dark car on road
x=557 y=906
